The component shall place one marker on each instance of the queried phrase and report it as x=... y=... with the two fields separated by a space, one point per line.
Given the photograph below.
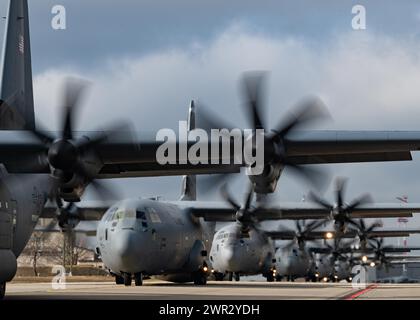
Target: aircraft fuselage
x=153 y=238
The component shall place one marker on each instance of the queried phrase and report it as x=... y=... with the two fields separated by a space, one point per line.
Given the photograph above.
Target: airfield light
x=325 y=279
x=317 y=275
x=372 y=264
x=364 y=258
x=329 y=235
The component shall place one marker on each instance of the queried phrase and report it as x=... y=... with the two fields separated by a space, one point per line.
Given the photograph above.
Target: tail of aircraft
x=189 y=184
x=16 y=93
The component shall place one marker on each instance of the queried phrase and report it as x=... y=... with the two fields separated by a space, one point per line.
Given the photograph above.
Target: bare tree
x=35 y=247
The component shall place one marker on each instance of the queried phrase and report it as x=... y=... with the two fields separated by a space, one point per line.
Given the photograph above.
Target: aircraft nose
x=231 y=257
x=126 y=248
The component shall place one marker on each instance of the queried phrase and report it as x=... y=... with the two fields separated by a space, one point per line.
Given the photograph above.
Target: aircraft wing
x=402 y=257
x=119 y=156
x=220 y=211
x=362 y=143
x=87 y=210
x=296 y=211
x=289 y=235
x=325 y=250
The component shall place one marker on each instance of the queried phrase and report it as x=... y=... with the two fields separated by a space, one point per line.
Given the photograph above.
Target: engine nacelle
x=8 y=265
x=267 y=181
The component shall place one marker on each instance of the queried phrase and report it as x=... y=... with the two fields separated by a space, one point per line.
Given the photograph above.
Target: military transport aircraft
x=177 y=241
x=38 y=164
x=245 y=248
x=296 y=259
x=335 y=261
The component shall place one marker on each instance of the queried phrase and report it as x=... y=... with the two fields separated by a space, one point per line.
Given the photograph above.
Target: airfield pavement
x=244 y=290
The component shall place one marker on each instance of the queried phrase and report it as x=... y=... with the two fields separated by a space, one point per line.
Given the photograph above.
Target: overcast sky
x=147 y=59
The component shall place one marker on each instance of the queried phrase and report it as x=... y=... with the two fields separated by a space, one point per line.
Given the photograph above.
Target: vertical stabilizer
x=16 y=96
x=189 y=189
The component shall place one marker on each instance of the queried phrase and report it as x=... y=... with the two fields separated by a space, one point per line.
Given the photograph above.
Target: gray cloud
x=368 y=80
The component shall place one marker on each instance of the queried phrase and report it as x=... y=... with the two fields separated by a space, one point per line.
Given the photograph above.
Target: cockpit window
x=140 y=215
x=123 y=214
x=110 y=214
x=153 y=215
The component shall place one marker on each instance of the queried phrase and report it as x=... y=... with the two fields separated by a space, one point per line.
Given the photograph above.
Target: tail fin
x=189 y=188
x=16 y=95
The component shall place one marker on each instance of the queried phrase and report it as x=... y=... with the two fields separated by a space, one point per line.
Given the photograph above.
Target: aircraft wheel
x=127 y=279
x=230 y=277
x=278 y=278
x=119 y=279
x=270 y=277
x=2 y=290
x=200 y=279
x=237 y=277
x=219 y=276
x=138 y=279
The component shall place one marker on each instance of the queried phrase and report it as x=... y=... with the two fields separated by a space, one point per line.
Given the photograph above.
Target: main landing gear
x=126 y=279
x=235 y=275
x=219 y=276
x=138 y=279
x=2 y=290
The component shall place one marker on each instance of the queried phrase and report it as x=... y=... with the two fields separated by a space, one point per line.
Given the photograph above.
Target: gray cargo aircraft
x=176 y=240
x=244 y=248
x=297 y=260
x=38 y=164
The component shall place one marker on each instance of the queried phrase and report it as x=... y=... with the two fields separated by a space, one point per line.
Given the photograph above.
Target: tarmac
x=242 y=290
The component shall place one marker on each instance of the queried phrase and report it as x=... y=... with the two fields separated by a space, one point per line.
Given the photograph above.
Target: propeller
x=340 y=211
x=302 y=233
x=65 y=155
x=245 y=214
x=338 y=252
x=380 y=253
x=307 y=112
x=70 y=159
x=364 y=232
